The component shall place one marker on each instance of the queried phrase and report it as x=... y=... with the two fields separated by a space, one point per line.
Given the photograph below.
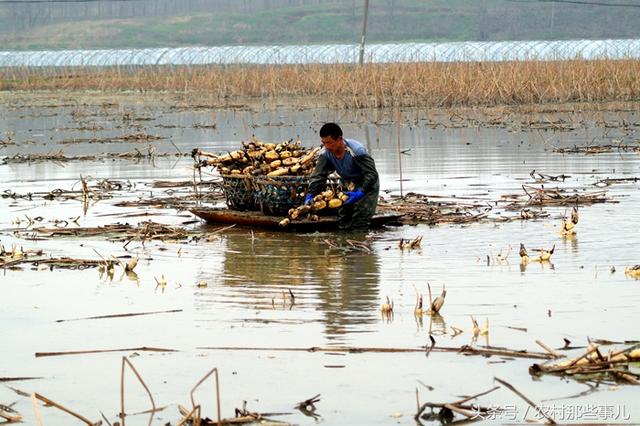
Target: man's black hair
x=330 y=129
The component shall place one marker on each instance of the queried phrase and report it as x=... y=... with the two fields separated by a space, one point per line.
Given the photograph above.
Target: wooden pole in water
x=364 y=31
x=399 y=152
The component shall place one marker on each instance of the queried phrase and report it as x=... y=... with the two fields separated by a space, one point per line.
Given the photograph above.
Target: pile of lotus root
x=327 y=199
x=257 y=158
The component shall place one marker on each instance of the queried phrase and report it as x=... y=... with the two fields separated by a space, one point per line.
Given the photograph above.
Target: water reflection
x=349 y=298
x=545 y=264
x=337 y=278
x=570 y=241
x=131 y=276
x=437 y=325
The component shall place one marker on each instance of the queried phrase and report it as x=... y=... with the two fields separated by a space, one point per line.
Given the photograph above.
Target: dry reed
x=429 y=84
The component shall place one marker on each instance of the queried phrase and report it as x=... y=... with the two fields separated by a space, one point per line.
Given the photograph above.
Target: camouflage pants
x=357 y=216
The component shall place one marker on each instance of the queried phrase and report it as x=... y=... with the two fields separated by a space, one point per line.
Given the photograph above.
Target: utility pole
x=364 y=31
x=553 y=9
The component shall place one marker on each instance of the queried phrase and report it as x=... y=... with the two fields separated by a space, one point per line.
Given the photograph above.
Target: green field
x=333 y=22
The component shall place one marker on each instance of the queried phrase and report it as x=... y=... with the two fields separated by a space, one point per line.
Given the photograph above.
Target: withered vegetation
x=372 y=85
x=60 y=156
x=595 y=366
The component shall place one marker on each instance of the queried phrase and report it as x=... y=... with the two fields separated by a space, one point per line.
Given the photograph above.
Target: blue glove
x=308 y=199
x=354 y=196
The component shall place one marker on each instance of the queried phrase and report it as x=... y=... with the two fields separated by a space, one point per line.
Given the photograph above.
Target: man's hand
x=308 y=199
x=354 y=196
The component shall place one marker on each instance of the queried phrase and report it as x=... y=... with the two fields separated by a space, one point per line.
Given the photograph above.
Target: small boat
x=256 y=219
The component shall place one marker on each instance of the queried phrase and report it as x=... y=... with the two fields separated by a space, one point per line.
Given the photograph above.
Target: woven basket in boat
x=239 y=192
x=276 y=195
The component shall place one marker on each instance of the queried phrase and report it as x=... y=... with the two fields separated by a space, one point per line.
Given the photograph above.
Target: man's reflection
x=349 y=295
x=338 y=272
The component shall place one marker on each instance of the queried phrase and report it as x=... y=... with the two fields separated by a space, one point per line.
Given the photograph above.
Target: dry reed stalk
x=550 y=420
x=373 y=85
x=98 y=351
x=125 y=361
x=469 y=398
x=467 y=413
x=62 y=408
x=588 y=363
x=15 y=379
x=590 y=350
x=193 y=415
x=465 y=349
x=626 y=350
x=128 y=314
x=471 y=412
x=193 y=403
x=9 y=415
x=548 y=349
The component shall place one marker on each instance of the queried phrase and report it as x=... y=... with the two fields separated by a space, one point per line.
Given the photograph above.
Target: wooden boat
x=254 y=219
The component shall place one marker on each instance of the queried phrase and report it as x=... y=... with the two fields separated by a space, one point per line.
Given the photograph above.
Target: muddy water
x=338 y=292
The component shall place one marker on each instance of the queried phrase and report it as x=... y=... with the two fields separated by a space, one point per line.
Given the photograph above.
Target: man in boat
x=350 y=159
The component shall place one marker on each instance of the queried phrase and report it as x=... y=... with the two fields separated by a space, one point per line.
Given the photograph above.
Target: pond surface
x=468 y=155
